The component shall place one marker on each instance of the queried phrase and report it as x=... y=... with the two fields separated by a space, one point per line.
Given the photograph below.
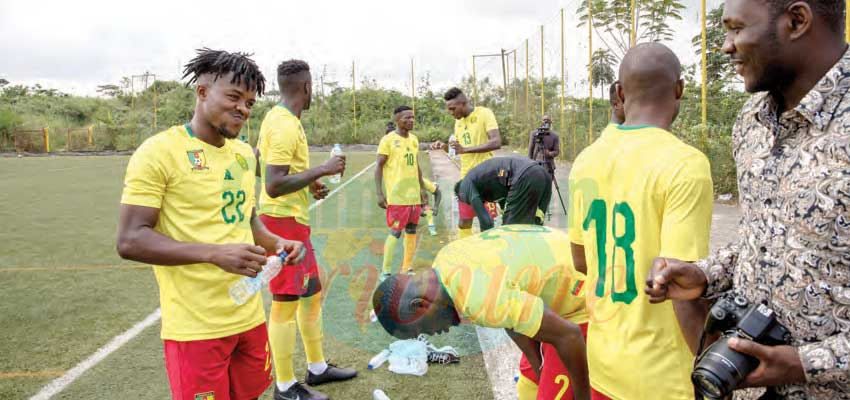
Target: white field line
x=59 y=384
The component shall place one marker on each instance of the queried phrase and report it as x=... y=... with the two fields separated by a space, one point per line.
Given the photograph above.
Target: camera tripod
x=549 y=161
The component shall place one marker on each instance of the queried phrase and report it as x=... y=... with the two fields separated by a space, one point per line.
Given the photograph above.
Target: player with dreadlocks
x=187 y=209
x=288 y=180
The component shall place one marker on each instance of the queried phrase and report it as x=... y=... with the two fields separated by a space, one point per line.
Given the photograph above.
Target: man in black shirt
x=522 y=187
x=544 y=145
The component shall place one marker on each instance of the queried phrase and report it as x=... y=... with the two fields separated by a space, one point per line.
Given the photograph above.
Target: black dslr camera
x=719 y=369
x=543 y=130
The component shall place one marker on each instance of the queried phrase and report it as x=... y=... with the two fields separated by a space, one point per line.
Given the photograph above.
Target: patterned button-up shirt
x=793 y=253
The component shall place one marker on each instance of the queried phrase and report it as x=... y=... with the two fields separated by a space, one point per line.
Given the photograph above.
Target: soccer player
x=638 y=192
x=510 y=278
x=476 y=137
x=288 y=180
x=521 y=186
x=398 y=170
x=429 y=211
x=187 y=208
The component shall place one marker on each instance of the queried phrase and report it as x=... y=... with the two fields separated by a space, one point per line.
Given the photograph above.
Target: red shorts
x=465 y=211
x=293 y=279
x=400 y=216
x=554 y=378
x=235 y=367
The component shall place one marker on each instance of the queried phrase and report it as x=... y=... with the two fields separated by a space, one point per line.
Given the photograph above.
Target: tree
x=603 y=68
x=718 y=67
x=109 y=90
x=612 y=21
x=3 y=82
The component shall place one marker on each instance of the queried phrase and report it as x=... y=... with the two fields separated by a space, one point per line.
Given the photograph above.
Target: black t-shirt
x=489 y=182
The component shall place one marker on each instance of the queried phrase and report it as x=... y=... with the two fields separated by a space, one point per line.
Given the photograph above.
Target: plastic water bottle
x=452 y=138
x=245 y=288
x=337 y=151
x=379 y=394
x=379 y=359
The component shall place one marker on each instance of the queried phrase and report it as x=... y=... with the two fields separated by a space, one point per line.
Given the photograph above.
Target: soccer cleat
x=432 y=229
x=299 y=391
x=332 y=374
x=439 y=357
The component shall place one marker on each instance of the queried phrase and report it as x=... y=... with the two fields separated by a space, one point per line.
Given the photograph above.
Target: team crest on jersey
x=242 y=162
x=501 y=173
x=197 y=159
x=205 y=396
x=473 y=120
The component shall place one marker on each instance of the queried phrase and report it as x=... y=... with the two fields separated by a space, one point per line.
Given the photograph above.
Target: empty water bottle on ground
x=379 y=359
x=452 y=138
x=247 y=287
x=379 y=394
x=337 y=151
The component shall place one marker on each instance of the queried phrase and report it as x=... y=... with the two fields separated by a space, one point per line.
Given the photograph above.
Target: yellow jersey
x=204 y=194
x=503 y=278
x=471 y=131
x=283 y=142
x=637 y=193
x=401 y=171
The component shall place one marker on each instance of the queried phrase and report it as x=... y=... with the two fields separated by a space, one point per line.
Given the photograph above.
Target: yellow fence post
x=68 y=140
x=704 y=135
x=516 y=88
x=634 y=24
x=90 y=136
x=563 y=88
x=590 y=71
x=542 y=77
x=527 y=83
x=46 y=140
x=474 y=83
x=354 y=96
x=413 y=86
x=847 y=20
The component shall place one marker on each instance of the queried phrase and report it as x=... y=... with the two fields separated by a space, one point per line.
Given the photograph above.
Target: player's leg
x=251 y=365
x=465 y=215
x=394 y=217
x=287 y=288
x=554 y=379
x=199 y=368
x=310 y=325
x=410 y=237
x=526 y=385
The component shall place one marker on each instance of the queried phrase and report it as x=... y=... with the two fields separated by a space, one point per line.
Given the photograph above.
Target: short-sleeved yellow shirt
x=283 y=142
x=472 y=131
x=401 y=171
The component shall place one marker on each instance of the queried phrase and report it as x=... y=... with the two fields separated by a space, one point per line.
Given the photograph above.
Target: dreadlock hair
x=832 y=11
x=219 y=62
x=401 y=109
x=289 y=69
x=452 y=94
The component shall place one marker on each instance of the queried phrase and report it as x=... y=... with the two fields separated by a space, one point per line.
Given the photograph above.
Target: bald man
x=639 y=192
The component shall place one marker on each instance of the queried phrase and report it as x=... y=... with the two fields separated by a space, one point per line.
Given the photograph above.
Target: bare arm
x=273 y=243
x=280 y=182
x=138 y=241
x=568 y=340
x=530 y=348
x=379 y=181
x=495 y=143
x=579 y=260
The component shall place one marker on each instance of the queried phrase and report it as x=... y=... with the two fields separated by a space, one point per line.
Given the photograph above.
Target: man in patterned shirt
x=792 y=149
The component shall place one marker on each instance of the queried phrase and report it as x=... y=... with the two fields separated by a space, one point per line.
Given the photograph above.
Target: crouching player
x=503 y=278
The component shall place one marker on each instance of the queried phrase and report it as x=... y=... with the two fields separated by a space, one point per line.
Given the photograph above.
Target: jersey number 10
x=598 y=215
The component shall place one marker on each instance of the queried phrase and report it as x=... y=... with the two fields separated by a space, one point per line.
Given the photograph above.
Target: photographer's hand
x=778 y=365
x=672 y=279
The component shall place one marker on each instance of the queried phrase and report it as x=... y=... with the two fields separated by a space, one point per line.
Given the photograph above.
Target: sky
x=76 y=46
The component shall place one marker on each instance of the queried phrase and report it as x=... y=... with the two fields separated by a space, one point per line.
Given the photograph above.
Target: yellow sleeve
x=146 y=178
x=686 y=223
x=490 y=120
x=283 y=143
x=574 y=228
x=431 y=187
x=384 y=146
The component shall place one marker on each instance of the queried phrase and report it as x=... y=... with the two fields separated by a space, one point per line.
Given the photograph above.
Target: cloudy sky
x=75 y=46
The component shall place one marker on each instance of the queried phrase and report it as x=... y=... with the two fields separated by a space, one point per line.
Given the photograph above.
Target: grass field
x=66 y=292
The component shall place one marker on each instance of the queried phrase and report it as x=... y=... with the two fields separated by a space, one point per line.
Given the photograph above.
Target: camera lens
x=720 y=369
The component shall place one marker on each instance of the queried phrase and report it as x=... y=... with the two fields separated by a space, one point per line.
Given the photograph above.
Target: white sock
x=284 y=386
x=318 y=368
